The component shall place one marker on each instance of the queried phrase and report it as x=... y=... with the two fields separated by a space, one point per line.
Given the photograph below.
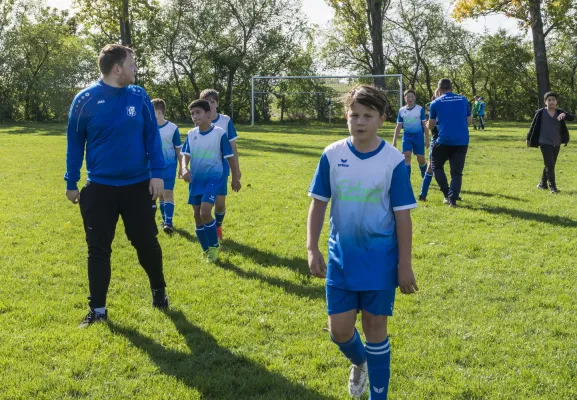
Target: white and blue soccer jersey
x=412 y=120
x=170 y=138
x=225 y=122
x=365 y=189
x=207 y=150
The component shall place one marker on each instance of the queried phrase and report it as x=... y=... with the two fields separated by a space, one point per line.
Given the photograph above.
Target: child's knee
x=374 y=327
x=407 y=155
x=206 y=213
x=168 y=195
x=341 y=334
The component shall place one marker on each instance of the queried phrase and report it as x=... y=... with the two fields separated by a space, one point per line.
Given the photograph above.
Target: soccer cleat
x=446 y=200
x=358 y=380
x=219 y=232
x=452 y=203
x=92 y=318
x=422 y=198
x=542 y=186
x=168 y=229
x=553 y=189
x=212 y=254
x=159 y=299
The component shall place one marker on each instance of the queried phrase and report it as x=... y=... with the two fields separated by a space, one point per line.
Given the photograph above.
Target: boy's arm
x=397 y=132
x=407 y=282
x=228 y=154
x=232 y=136
x=184 y=158
x=425 y=128
x=235 y=152
x=315 y=222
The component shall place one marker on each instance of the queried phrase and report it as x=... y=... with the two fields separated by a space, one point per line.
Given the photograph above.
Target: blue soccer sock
x=202 y=238
x=353 y=349
x=408 y=169
x=219 y=217
x=379 y=367
x=423 y=169
x=426 y=183
x=168 y=212
x=211 y=235
x=161 y=204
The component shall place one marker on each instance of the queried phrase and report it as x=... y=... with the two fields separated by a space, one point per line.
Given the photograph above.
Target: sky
x=318 y=12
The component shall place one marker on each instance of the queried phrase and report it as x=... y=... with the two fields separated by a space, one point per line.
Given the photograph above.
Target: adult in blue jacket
x=454 y=116
x=115 y=122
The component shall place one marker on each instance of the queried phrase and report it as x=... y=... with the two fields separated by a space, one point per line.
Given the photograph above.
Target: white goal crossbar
x=398 y=76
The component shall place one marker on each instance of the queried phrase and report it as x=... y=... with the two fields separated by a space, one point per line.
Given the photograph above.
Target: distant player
x=481 y=113
x=224 y=122
x=370 y=238
x=205 y=150
x=548 y=131
x=412 y=120
x=171 y=144
x=476 y=105
x=429 y=172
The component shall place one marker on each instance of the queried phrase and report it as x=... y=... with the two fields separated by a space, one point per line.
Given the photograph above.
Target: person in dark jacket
x=548 y=131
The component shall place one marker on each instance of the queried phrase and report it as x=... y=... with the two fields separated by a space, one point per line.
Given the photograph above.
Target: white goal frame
x=398 y=76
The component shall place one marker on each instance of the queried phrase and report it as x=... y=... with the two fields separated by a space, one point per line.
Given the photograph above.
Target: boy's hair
x=111 y=55
x=550 y=94
x=209 y=94
x=199 y=104
x=410 y=91
x=445 y=84
x=368 y=96
x=159 y=105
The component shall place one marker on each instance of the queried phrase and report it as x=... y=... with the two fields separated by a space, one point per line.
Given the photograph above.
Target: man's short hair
x=368 y=96
x=209 y=94
x=445 y=85
x=159 y=105
x=550 y=94
x=111 y=55
x=410 y=91
x=199 y=104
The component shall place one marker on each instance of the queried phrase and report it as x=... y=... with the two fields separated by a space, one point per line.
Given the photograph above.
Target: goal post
x=318 y=89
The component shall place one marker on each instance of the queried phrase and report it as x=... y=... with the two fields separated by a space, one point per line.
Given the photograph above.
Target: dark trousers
x=456 y=156
x=550 y=154
x=100 y=206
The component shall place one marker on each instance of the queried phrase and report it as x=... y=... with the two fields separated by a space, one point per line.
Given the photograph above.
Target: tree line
x=184 y=46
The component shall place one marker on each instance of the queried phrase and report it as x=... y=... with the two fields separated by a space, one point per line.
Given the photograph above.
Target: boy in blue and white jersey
x=370 y=238
x=224 y=122
x=171 y=144
x=413 y=120
x=206 y=148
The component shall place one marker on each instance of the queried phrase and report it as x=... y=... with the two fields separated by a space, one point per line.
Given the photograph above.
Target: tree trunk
x=227 y=96
x=375 y=19
x=541 y=66
x=125 y=36
x=572 y=85
x=282 y=106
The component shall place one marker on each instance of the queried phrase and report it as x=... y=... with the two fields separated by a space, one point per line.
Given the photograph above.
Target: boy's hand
x=407 y=282
x=73 y=196
x=561 y=117
x=317 y=264
x=235 y=183
x=185 y=174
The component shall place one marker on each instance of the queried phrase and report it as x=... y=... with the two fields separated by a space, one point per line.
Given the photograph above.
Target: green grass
x=494 y=319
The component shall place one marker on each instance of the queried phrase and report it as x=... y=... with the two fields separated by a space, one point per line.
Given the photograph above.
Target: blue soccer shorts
x=414 y=145
x=169 y=183
x=223 y=190
x=377 y=302
x=169 y=177
x=209 y=195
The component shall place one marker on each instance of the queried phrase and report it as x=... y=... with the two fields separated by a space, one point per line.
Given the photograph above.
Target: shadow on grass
x=267 y=147
x=36 y=129
x=503 y=196
x=526 y=215
x=186 y=234
x=313 y=293
x=214 y=371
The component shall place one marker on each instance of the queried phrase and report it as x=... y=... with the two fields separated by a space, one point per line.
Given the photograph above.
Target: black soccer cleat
x=553 y=189
x=422 y=198
x=159 y=299
x=168 y=229
x=93 y=317
x=542 y=186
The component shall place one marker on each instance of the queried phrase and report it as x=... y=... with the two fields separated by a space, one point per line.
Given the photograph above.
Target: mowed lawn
x=495 y=317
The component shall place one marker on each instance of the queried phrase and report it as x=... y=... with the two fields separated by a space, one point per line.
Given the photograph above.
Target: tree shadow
x=34 y=129
x=267 y=147
x=214 y=371
x=503 y=196
x=527 y=215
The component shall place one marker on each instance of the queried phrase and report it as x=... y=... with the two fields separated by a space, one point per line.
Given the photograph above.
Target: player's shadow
x=312 y=292
x=527 y=215
x=484 y=194
x=214 y=371
x=186 y=234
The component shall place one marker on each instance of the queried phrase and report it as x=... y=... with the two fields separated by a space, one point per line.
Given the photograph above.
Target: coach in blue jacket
x=115 y=121
x=454 y=116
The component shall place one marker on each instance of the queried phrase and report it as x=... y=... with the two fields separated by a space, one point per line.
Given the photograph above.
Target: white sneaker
x=358 y=380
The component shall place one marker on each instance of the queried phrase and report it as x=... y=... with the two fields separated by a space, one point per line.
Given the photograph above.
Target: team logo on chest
x=343 y=163
x=131 y=111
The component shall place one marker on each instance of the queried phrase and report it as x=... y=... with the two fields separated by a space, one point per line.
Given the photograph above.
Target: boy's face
x=410 y=99
x=213 y=104
x=363 y=121
x=199 y=116
x=159 y=114
x=551 y=102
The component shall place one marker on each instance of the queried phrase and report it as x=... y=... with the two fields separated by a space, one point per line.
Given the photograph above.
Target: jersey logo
x=101 y=101
x=131 y=111
x=344 y=163
x=378 y=390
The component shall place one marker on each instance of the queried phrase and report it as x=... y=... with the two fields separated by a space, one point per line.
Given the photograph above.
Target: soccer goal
x=305 y=98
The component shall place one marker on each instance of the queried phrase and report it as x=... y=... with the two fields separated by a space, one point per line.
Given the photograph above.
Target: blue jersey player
x=224 y=122
x=205 y=150
x=370 y=238
x=171 y=144
x=412 y=119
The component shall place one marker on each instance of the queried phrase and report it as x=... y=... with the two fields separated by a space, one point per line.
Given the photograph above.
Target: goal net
x=312 y=98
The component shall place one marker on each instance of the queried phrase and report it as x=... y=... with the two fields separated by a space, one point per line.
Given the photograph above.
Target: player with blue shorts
x=366 y=181
x=412 y=119
x=205 y=148
x=171 y=144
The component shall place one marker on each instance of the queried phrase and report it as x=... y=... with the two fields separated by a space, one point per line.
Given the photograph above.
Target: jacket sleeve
x=76 y=142
x=533 y=125
x=569 y=116
x=152 y=141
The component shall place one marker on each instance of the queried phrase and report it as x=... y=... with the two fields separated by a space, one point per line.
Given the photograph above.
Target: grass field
x=495 y=317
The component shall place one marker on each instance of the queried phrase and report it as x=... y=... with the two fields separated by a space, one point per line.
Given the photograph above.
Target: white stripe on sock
x=368 y=346
x=378 y=352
